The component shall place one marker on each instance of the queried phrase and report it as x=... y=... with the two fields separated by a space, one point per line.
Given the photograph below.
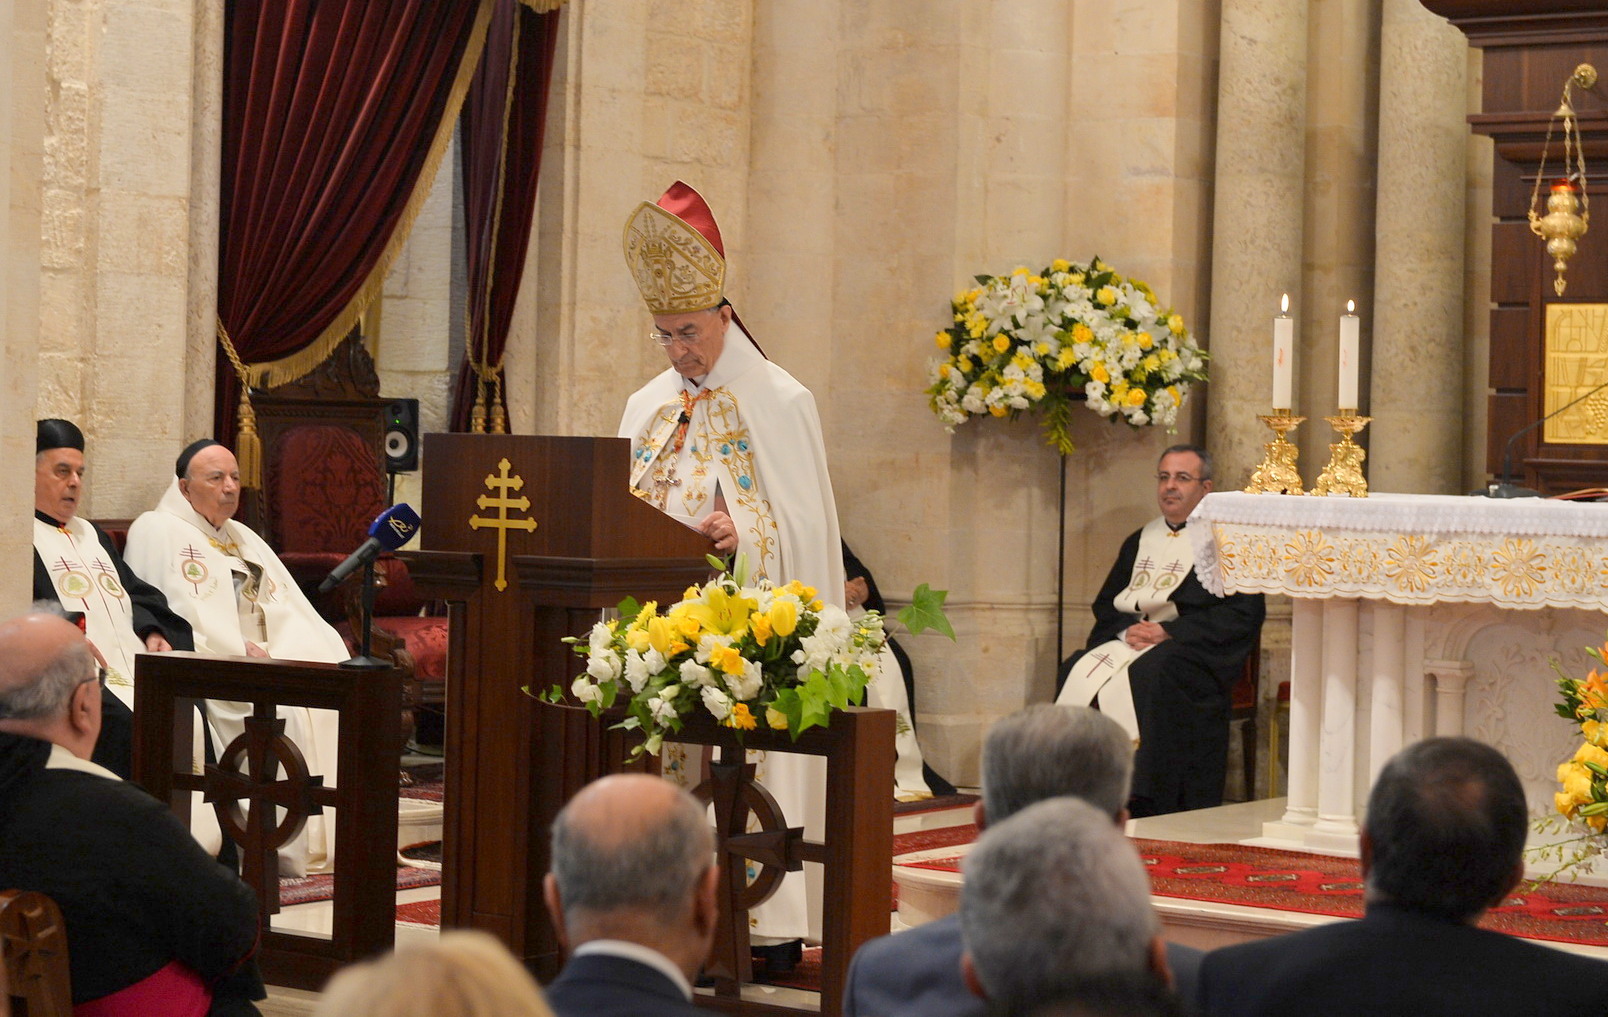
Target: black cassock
x=1181 y=686
x=853 y=568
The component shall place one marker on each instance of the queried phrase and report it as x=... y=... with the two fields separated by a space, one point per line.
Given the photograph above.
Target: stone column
x=1418 y=353
x=1257 y=216
x=115 y=301
x=206 y=148
x=22 y=107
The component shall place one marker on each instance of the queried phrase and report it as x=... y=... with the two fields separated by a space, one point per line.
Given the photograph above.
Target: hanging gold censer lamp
x=1568 y=206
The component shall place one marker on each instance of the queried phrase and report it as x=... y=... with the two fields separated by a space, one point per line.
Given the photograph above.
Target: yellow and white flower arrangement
x=1582 y=798
x=743 y=654
x=1040 y=340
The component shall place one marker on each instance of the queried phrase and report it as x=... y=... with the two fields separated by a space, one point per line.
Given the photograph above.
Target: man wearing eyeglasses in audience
x=729 y=443
x=1164 y=654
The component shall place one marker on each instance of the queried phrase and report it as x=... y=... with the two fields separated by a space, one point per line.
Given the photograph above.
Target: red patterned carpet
x=1322 y=885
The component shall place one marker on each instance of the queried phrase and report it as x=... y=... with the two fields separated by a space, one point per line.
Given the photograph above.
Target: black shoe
x=779 y=959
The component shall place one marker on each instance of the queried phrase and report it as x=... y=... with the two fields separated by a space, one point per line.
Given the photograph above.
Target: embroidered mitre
x=678 y=267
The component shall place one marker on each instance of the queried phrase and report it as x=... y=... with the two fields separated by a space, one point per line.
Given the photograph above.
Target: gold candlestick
x=1278 y=473
x=1343 y=475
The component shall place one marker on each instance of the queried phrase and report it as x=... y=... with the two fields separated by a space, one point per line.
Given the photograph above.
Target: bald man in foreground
x=155 y=924
x=632 y=894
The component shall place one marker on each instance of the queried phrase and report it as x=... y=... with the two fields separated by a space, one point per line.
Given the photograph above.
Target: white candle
x=1350 y=346
x=1283 y=354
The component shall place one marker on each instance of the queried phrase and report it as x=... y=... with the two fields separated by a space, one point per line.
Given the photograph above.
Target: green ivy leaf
x=926 y=611
x=629 y=609
x=814 y=704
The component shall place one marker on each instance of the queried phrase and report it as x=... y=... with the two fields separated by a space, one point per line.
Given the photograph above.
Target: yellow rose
x=1060 y=265
x=998 y=411
x=1576 y=783
x=726 y=659
x=1106 y=295
x=1566 y=805
x=965 y=364
x=1595 y=732
x=945 y=370
x=1145 y=342
x=1035 y=281
x=1081 y=333
x=1136 y=397
x=1019 y=270
x=760 y=626
x=637 y=639
x=1001 y=343
x=942 y=340
x=782 y=617
x=1589 y=753
x=1175 y=324
x=775 y=718
x=1099 y=373
x=1172 y=390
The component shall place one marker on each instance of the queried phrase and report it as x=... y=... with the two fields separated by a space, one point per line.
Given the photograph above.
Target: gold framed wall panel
x=1576 y=362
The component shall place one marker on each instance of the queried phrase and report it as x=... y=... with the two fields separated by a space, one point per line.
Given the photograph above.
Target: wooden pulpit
x=526 y=537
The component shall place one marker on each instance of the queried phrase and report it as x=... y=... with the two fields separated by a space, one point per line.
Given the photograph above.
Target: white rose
x=604 y=666
x=585 y=691
x=694 y=673
x=716 y=702
x=746 y=685
x=637 y=671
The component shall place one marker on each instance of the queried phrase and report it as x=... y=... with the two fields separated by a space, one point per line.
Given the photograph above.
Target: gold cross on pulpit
x=503 y=483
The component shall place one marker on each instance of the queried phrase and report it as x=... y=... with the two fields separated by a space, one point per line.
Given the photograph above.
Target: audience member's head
x=1445 y=829
x=463 y=973
x=48 y=682
x=1047 y=751
x=633 y=859
x=58 y=468
x=1056 y=897
x=209 y=479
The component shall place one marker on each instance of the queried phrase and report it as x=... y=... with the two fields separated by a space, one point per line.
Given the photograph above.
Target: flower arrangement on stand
x=1041 y=340
x=744 y=654
x=1582 y=800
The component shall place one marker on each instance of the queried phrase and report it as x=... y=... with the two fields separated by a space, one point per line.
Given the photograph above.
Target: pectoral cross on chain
x=503 y=483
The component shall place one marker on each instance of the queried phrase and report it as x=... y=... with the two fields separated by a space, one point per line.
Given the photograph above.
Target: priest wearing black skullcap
x=77 y=566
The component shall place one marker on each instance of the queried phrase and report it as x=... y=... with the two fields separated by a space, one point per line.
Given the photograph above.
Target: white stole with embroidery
x=1164 y=559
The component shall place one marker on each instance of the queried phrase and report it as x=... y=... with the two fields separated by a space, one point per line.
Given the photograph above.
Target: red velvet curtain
x=500 y=136
x=331 y=108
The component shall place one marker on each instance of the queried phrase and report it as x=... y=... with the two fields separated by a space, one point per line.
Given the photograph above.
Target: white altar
x=1413 y=615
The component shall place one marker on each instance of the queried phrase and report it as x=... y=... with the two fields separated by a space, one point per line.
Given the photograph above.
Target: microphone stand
x=363 y=659
x=1505 y=488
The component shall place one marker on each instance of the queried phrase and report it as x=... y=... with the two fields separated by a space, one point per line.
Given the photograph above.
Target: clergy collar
x=1173 y=528
x=49 y=521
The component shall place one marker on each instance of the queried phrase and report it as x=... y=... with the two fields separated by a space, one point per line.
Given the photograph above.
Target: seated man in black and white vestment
x=1164 y=654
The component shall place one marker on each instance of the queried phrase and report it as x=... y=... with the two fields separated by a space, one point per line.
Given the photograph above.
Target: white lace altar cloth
x=1525 y=553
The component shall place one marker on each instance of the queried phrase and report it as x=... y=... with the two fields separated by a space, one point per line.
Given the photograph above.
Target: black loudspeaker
x=402 y=436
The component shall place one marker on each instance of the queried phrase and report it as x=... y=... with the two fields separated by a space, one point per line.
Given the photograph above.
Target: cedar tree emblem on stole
x=502 y=483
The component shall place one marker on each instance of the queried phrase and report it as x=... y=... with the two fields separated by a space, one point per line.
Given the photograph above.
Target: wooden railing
x=365 y=801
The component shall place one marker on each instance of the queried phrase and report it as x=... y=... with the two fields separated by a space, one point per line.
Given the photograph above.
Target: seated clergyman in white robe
x=241 y=601
x=730 y=443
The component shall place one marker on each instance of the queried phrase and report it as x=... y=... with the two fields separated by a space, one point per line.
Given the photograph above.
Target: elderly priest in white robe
x=730 y=443
x=241 y=601
x=76 y=565
x=1164 y=654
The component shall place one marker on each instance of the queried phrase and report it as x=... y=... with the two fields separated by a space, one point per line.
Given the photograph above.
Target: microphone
x=1506 y=488
x=390 y=531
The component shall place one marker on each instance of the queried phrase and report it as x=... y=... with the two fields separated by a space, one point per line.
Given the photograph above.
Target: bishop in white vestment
x=1164 y=654
x=241 y=601
x=730 y=443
